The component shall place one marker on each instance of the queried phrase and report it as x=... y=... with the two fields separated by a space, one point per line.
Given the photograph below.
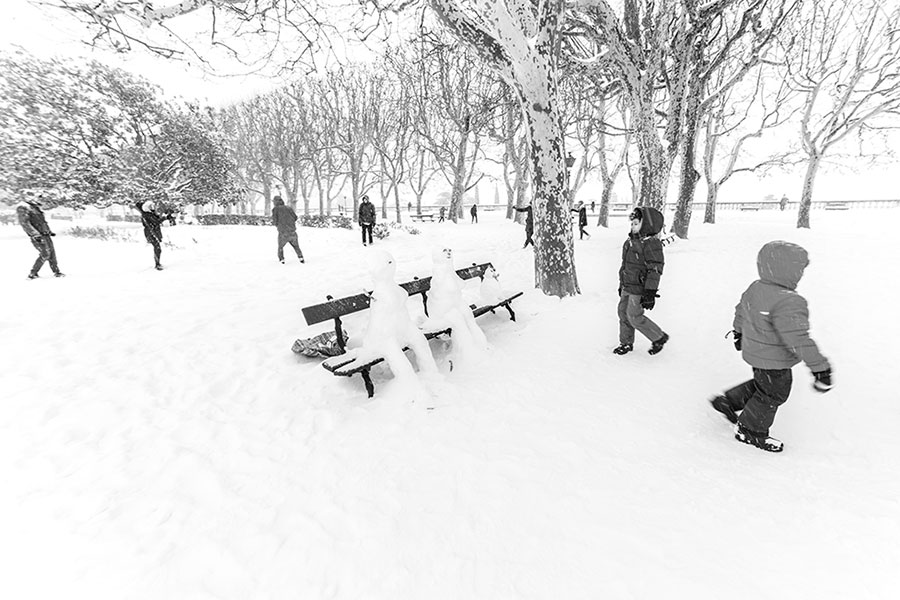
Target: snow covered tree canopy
x=93 y=135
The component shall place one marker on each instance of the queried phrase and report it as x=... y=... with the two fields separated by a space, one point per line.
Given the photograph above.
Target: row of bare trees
x=679 y=87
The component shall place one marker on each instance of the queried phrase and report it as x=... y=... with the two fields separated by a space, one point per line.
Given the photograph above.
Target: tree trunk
x=712 y=195
x=806 y=199
x=605 y=196
x=459 y=174
x=554 y=256
x=689 y=174
x=654 y=164
x=397 y=202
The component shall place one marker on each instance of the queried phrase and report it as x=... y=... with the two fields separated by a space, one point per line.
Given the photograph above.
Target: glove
x=619 y=293
x=648 y=299
x=737 y=339
x=52 y=234
x=822 y=383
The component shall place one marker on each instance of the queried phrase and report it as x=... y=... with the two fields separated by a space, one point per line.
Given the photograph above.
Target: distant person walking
x=409 y=207
x=529 y=224
x=593 y=205
x=474 y=212
x=441 y=214
x=582 y=219
x=152 y=218
x=366 y=219
x=784 y=202
x=32 y=220
x=285 y=220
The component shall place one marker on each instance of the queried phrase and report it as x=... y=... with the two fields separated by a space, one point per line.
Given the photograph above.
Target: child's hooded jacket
x=773 y=317
x=642 y=254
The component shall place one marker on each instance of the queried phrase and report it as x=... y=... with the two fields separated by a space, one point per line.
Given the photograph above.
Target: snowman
x=490 y=292
x=390 y=327
x=447 y=309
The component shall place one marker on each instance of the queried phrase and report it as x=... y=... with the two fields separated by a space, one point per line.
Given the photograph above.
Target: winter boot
x=623 y=349
x=159 y=267
x=761 y=441
x=720 y=403
x=58 y=274
x=657 y=346
x=33 y=276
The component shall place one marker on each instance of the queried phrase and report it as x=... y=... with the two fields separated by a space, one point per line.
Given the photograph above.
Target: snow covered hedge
x=320 y=221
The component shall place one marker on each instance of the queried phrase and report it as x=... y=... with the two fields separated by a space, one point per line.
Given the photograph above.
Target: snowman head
x=382 y=267
x=442 y=255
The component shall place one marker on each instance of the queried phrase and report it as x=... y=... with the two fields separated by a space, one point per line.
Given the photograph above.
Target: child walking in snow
x=771 y=330
x=642 y=266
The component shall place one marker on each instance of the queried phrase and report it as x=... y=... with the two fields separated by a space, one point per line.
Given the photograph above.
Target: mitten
x=737 y=339
x=823 y=381
x=648 y=299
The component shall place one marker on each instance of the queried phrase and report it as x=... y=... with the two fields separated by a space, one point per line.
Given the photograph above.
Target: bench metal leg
x=512 y=315
x=370 y=387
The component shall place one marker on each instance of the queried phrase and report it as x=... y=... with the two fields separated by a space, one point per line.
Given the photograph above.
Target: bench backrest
x=334 y=309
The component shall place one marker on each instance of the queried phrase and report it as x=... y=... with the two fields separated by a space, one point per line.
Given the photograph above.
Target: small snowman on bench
x=448 y=310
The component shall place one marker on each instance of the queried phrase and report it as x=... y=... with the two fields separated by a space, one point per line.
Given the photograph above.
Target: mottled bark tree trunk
x=712 y=196
x=603 y=219
x=554 y=259
x=808 y=181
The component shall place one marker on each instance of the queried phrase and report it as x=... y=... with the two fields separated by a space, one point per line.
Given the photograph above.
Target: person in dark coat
x=366 y=219
x=32 y=220
x=442 y=214
x=529 y=224
x=642 y=267
x=771 y=330
x=582 y=220
x=474 y=212
x=152 y=218
x=285 y=220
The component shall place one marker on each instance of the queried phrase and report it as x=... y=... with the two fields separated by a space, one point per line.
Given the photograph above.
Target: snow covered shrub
x=325 y=221
x=320 y=221
x=407 y=228
x=380 y=231
x=99 y=233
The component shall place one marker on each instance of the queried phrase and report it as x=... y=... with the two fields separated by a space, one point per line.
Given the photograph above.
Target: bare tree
x=733 y=121
x=847 y=66
x=610 y=169
x=730 y=38
x=455 y=112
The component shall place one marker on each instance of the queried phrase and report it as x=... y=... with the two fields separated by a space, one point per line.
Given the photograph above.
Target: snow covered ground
x=158 y=438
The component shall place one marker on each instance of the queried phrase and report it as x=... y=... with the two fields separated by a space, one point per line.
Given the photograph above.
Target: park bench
x=836 y=206
x=422 y=217
x=751 y=206
x=335 y=309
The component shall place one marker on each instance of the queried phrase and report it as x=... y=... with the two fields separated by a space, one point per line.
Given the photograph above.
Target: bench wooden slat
x=319 y=313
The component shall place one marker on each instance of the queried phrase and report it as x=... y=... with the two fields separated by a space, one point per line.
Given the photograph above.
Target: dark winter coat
x=366 y=213
x=529 y=218
x=582 y=216
x=474 y=210
x=642 y=255
x=152 y=222
x=284 y=217
x=772 y=317
x=32 y=220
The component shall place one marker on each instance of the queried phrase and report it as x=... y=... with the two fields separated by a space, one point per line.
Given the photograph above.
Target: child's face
x=635 y=225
